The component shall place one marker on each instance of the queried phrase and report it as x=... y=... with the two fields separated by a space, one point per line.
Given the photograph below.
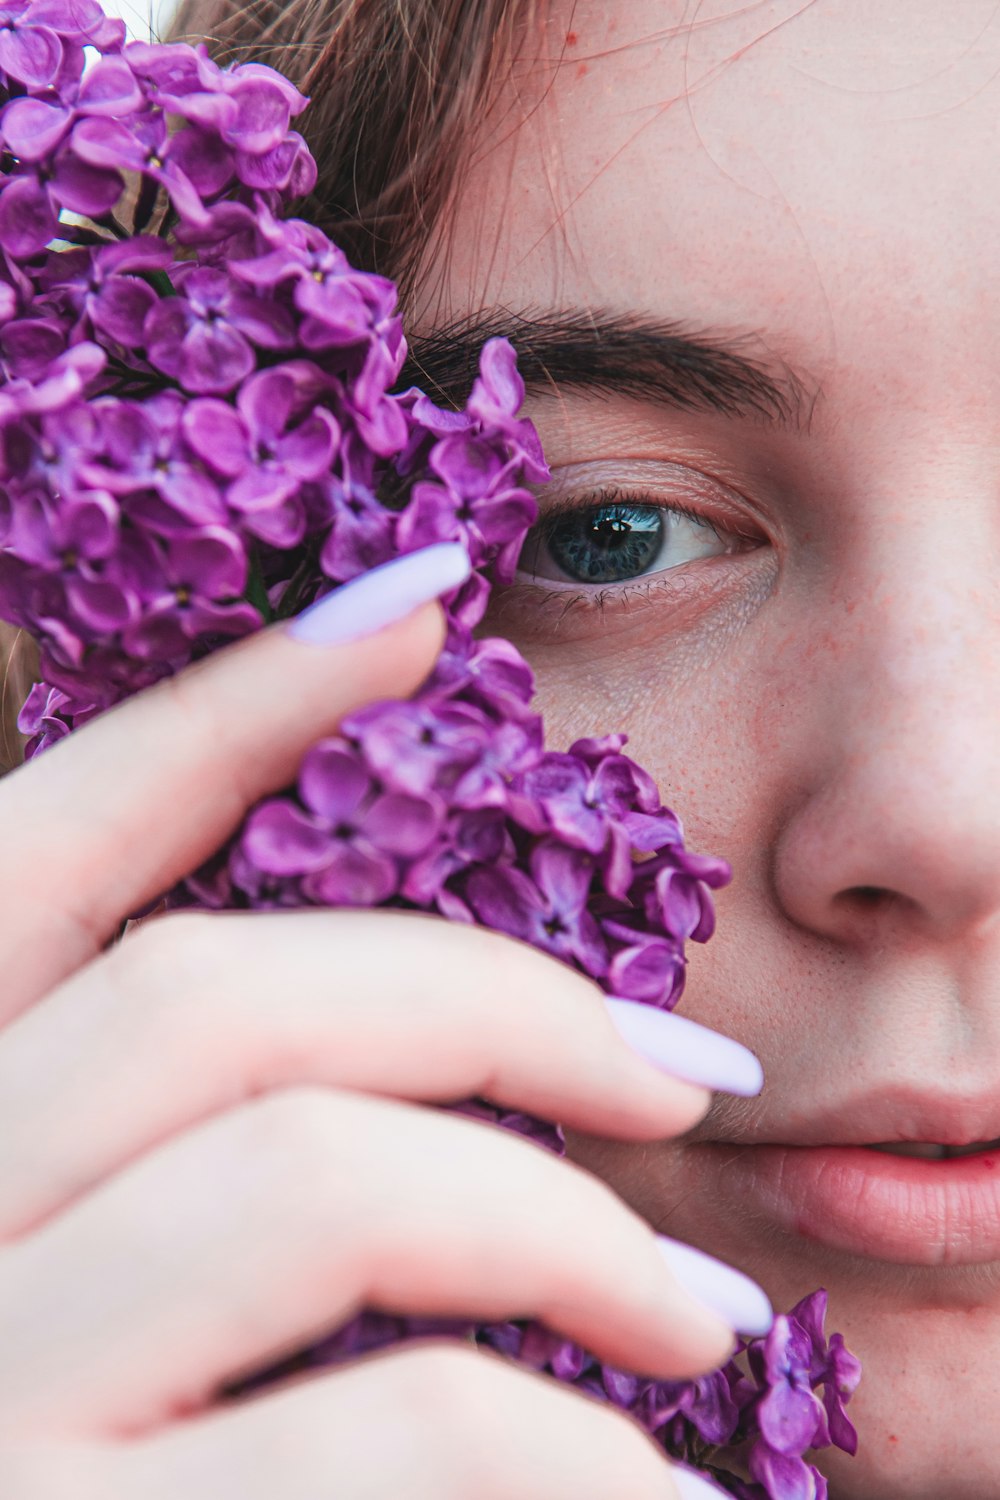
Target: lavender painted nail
x=735 y=1298
x=693 y=1486
x=376 y=599
x=686 y=1050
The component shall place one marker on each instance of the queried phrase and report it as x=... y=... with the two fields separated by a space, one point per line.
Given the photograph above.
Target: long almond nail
x=690 y=1485
x=389 y=593
x=687 y=1050
x=728 y=1293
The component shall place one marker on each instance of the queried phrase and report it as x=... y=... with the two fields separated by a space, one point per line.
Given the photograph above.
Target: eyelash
x=570 y=505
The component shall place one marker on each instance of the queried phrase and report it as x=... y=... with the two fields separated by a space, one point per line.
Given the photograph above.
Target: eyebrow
x=613 y=354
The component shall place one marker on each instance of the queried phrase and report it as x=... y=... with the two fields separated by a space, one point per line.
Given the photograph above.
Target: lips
x=886 y=1114
x=930 y=1151
x=896 y=1176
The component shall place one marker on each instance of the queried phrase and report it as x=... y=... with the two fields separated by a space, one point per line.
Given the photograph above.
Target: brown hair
x=17 y=671
x=396 y=88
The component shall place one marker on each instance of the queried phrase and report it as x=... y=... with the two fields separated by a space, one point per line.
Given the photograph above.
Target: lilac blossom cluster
x=200 y=433
x=747 y=1425
x=765 y=1402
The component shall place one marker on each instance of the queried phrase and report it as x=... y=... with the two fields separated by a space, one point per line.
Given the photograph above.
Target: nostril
x=870 y=897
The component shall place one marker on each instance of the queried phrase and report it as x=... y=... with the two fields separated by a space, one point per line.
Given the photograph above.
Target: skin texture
x=818 y=181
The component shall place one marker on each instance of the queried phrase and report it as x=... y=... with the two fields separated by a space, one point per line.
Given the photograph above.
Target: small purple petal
x=284 y=841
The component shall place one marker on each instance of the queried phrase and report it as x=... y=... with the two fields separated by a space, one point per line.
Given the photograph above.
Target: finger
x=197 y=1012
x=463 y=1422
x=111 y=817
x=267 y=1227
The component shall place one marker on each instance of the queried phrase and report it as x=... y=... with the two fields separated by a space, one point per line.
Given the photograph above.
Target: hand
x=215 y=1146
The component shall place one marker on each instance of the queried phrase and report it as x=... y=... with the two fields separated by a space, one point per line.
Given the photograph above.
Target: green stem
x=160 y=282
x=257 y=593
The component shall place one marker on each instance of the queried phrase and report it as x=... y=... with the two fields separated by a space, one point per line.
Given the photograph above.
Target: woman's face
x=809 y=659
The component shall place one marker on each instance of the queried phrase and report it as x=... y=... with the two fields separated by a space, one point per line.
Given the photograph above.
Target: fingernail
x=374 y=600
x=692 y=1486
x=740 y=1302
x=687 y=1050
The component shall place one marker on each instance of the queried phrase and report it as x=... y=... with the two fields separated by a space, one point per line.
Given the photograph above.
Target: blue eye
x=617 y=541
x=606 y=544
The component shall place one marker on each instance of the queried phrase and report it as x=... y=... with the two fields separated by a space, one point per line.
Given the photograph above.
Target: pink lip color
x=905 y=1210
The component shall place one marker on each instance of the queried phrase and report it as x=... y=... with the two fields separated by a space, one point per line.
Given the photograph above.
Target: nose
x=895 y=827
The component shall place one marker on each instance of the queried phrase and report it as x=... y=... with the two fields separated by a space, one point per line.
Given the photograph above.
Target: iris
x=607 y=544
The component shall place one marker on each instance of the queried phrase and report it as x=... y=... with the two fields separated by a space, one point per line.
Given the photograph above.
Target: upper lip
x=884 y=1115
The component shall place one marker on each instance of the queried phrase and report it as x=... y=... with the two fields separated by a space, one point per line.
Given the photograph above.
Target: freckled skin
x=824 y=710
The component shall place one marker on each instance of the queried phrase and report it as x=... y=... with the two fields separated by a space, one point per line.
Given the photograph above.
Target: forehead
x=823 y=173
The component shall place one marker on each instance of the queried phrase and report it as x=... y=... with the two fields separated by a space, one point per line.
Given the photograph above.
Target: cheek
x=717 y=712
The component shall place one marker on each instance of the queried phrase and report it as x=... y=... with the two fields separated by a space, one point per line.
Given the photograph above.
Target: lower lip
x=903 y=1209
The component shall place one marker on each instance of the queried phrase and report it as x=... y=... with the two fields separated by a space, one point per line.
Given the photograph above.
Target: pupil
x=607 y=544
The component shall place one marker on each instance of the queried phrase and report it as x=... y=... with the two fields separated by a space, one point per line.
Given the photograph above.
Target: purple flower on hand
x=196 y=439
x=477 y=502
x=266 y=448
x=190 y=587
x=577 y=803
x=347 y=840
x=106 y=291
x=42 y=41
x=547 y=908
x=419 y=747
x=791 y=1415
x=205 y=337
x=143 y=456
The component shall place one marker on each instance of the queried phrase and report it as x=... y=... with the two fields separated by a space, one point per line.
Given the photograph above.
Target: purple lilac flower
x=142 y=458
x=103 y=288
x=42 y=41
x=476 y=502
x=263 y=452
x=347 y=837
x=205 y=337
x=421 y=746
x=546 y=906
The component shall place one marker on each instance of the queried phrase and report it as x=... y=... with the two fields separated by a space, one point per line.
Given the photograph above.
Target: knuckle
x=172 y=983
x=299 y=1130
x=169 y=955
x=468 y=1389
x=292 y=1148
